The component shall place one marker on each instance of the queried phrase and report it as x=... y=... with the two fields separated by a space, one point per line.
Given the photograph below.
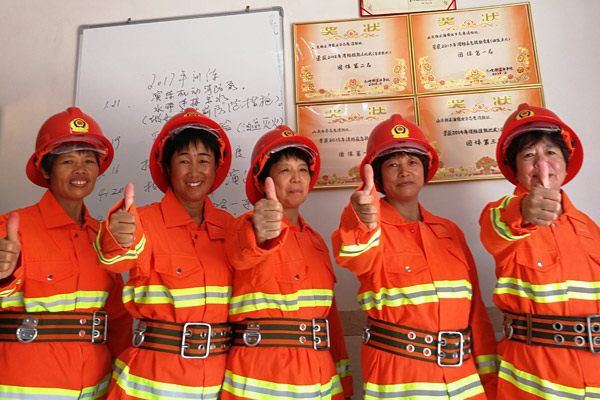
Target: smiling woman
x=49 y=278
x=179 y=282
x=419 y=284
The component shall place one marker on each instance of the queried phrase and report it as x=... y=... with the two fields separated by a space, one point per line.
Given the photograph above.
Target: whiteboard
x=132 y=77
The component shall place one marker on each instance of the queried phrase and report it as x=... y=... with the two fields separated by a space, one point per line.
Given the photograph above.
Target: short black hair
x=186 y=138
x=378 y=162
x=288 y=152
x=48 y=161
x=531 y=138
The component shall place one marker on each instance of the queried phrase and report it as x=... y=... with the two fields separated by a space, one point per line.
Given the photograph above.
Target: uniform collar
x=54 y=216
x=174 y=214
x=391 y=216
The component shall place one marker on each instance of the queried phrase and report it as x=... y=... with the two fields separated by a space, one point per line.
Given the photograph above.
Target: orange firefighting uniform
x=177 y=273
x=292 y=278
x=58 y=273
x=552 y=270
x=420 y=275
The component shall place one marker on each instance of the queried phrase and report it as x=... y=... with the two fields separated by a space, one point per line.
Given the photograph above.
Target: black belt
x=189 y=340
x=27 y=327
x=446 y=348
x=579 y=333
x=282 y=332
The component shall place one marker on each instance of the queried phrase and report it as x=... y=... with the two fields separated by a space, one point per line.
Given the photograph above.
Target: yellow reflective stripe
x=358 y=249
x=180 y=298
x=343 y=368
x=78 y=300
x=414 y=295
x=249 y=388
x=541 y=387
x=14 y=300
x=549 y=293
x=462 y=389
x=286 y=302
x=500 y=227
x=396 y=297
x=148 y=389
x=131 y=254
x=487 y=363
x=460 y=289
x=46 y=393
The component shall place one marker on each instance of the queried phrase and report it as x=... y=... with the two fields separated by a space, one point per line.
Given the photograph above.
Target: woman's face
x=541 y=161
x=402 y=176
x=292 y=181
x=193 y=172
x=73 y=175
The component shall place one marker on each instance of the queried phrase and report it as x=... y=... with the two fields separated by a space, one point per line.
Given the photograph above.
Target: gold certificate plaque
x=483 y=48
x=386 y=7
x=352 y=59
x=341 y=132
x=464 y=129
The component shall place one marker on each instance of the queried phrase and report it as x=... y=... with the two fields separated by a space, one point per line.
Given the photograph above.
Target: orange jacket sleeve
x=119 y=320
x=338 y=350
x=111 y=255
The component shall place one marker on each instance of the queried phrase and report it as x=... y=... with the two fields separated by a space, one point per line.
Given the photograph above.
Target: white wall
x=38 y=50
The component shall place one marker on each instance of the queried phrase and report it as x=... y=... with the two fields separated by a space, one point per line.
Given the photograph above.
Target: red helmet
x=71 y=125
x=190 y=118
x=271 y=142
x=397 y=134
x=533 y=118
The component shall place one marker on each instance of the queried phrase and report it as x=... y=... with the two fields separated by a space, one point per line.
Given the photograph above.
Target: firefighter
x=179 y=282
x=547 y=257
x=428 y=334
x=288 y=341
x=55 y=302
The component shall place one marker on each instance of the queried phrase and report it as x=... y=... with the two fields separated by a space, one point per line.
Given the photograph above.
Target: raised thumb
x=12 y=227
x=270 y=189
x=544 y=173
x=368 y=178
x=128 y=200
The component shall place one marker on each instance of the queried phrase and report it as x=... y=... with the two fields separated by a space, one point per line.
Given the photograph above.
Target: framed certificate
x=482 y=48
x=352 y=59
x=464 y=129
x=341 y=132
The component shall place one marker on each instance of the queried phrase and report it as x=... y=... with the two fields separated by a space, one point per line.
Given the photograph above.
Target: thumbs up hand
x=10 y=247
x=362 y=200
x=121 y=223
x=543 y=204
x=268 y=213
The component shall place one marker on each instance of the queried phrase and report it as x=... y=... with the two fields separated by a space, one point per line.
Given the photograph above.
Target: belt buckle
x=138 y=334
x=27 y=332
x=252 y=334
x=366 y=334
x=440 y=352
x=96 y=321
x=595 y=328
x=317 y=328
x=188 y=333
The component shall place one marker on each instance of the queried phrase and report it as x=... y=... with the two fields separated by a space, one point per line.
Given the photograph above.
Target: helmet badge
x=79 y=125
x=190 y=114
x=287 y=133
x=525 y=114
x=400 y=131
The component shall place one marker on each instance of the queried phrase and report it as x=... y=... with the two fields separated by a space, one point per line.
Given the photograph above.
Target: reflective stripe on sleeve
x=130 y=254
x=249 y=388
x=45 y=393
x=285 y=302
x=358 y=249
x=179 y=298
x=343 y=368
x=543 y=388
x=462 y=389
x=14 y=300
x=148 y=389
x=67 y=302
x=414 y=295
x=500 y=227
x=549 y=293
x=487 y=364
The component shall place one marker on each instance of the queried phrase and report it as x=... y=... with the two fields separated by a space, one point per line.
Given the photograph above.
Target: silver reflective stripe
x=556 y=394
x=413 y=393
x=246 y=390
x=392 y=297
x=280 y=302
